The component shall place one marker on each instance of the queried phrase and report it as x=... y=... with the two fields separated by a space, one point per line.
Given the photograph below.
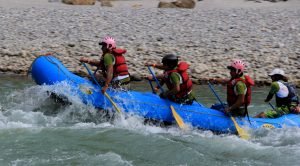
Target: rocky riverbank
x=208 y=37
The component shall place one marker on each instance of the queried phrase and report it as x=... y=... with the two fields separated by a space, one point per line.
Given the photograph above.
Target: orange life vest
x=232 y=97
x=186 y=85
x=120 y=67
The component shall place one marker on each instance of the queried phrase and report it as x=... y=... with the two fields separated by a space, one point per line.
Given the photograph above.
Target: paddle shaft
x=154 y=77
x=105 y=94
x=90 y=73
x=272 y=106
x=151 y=86
x=215 y=93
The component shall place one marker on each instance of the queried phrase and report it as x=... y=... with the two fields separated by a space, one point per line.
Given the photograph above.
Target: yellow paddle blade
x=112 y=102
x=178 y=119
x=241 y=132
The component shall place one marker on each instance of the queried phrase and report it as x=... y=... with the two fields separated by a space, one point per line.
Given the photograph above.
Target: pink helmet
x=109 y=42
x=238 y=65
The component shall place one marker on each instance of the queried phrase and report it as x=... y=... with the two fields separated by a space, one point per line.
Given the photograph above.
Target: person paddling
x=112 y=64
x=176 y=78
x=285 y=93
x=238 y=89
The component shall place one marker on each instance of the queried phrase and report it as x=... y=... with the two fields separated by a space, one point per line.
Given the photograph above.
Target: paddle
x=151 y=86
x=272 y=106
x=241 y=132
x=176 y=116
x=155 y=79
x=105 y=94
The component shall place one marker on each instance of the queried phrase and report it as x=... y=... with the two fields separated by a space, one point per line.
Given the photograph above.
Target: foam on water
x=21 y=119
x=110 y=158
x=286 y=136
x=32 y=107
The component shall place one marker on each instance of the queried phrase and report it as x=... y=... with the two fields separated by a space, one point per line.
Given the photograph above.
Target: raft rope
x=59 y=69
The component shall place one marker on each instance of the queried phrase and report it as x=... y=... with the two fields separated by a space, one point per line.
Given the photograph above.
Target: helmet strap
x=238 y=72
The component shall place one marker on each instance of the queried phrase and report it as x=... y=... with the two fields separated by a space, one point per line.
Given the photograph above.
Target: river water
x=36 y=131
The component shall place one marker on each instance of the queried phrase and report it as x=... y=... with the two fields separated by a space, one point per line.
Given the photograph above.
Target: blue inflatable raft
x=49 y=70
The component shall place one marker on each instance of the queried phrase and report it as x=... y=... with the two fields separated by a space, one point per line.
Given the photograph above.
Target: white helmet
x=277 y=71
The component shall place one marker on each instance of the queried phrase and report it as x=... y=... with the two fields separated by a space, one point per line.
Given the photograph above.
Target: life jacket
x=232 y=97
x=120 y=67
x=290 y=97
x=185 y=84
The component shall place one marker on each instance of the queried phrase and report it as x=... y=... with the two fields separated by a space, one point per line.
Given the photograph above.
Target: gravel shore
x=265 y=35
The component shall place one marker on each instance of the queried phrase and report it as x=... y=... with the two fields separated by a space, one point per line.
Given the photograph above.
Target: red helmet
x=109 y=42
x=238 y=65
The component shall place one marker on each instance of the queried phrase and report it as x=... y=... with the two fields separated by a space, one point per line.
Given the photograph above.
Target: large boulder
x=190 y=4
x=166 y=5
x=106 y=3
x=79 y=2
x=259 y=1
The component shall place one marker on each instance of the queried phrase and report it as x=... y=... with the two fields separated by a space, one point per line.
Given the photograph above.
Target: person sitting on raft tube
x=238 y=89
x=112 y=64
x=176 y=78
x=286 y=96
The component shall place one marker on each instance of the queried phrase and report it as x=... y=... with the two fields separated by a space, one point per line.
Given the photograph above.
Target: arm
x=108 y=63
x=159 y=66
x=90 y=61
x=154 y=65
x=159 y=77
x=269 y=97
x=274 y=89
x=108 y=78
x=173 y=91
x=218 y=80
x=175 y=80
x=157 y=88
x=94 y=62
x=238 y=103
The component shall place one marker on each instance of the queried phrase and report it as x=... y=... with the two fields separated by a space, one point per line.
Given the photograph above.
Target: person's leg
x=99 y=77
x=271 y=114
x=260 y=115
x=123 y=84
x=295 y=109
